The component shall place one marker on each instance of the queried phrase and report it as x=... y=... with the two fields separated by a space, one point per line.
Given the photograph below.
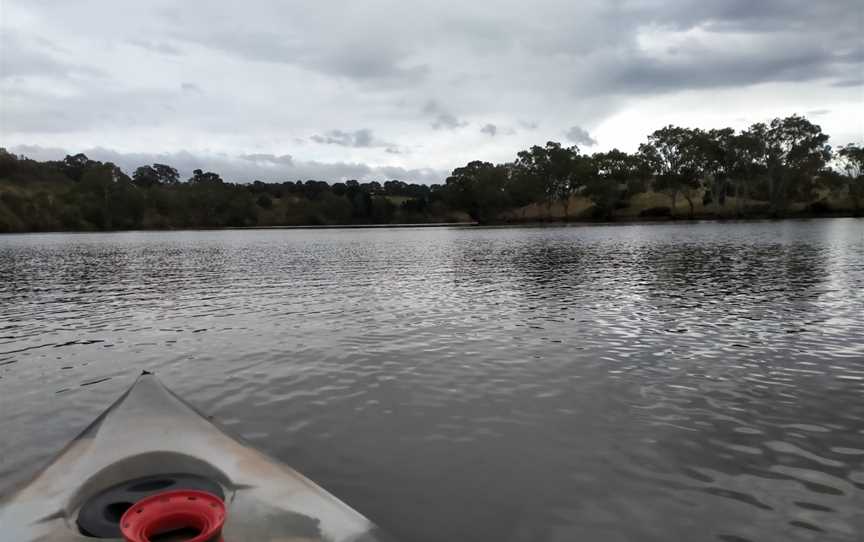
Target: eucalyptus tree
x=675 y=157
x=851 y=161
x=795 y=151
x=615 y=174
x=553 y=169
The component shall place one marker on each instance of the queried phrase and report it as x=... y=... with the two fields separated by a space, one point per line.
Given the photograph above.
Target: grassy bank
x=657 y=207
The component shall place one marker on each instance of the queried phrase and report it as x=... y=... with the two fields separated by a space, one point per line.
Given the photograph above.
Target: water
x=635 y=382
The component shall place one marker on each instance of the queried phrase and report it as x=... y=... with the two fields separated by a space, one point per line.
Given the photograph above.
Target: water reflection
x=666 y=382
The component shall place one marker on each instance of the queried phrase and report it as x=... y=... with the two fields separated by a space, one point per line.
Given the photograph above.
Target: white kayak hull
x=150 y=431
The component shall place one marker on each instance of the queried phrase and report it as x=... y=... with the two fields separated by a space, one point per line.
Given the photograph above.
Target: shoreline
x=554 y=222
x=704 y=217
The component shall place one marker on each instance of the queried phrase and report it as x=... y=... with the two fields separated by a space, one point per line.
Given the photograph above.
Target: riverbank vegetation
x=782 y=168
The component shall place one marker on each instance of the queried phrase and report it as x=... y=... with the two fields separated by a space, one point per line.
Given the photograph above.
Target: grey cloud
x=365 y=57
x=744 y=15
x=700 y=44
x=37 y=152
x=421 y=175
x=388 y=41
x=30 y=62
x=703 y=67
x=190 y=87
x=442 y=119
x=580 y=135
x=37 y=57
x=493 y=130
x=160 y=47
x=244 y=168
x=279 y=71
x=284 y=159
x=358 y=138
x=27 y=111
x=853 y=82
x=370 y=64
x=447 y=121
x=817 y=112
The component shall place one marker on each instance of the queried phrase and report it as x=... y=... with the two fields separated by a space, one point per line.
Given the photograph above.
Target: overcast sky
x=279 y=90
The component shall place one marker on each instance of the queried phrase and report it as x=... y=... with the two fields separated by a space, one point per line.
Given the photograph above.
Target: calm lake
x=658 y=382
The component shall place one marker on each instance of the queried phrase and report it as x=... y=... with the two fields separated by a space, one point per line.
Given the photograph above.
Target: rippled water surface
x=604 y=383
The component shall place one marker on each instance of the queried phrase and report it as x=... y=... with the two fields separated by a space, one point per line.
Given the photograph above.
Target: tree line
x=768 y=170
x=763 y=169
x=78 y=193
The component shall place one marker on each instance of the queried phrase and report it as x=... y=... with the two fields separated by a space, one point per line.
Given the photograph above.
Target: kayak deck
x=150 y=431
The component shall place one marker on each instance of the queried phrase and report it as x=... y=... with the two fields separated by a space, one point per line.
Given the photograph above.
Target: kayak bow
x=151 y=440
